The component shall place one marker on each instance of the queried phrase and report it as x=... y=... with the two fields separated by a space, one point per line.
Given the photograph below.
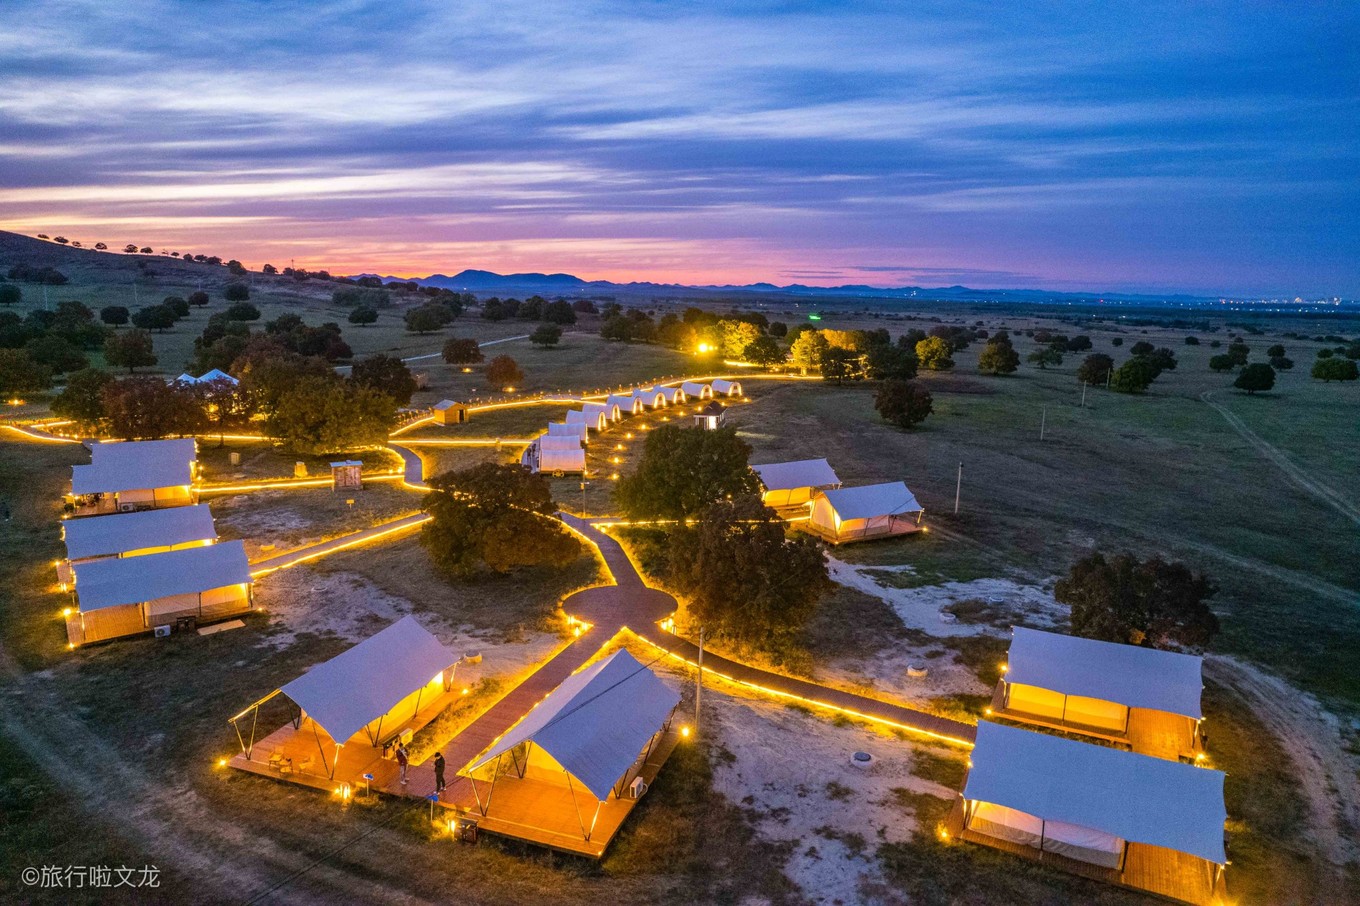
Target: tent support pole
x=585 y=834
x=330 y=772
x=598 y=803
x=244 y=748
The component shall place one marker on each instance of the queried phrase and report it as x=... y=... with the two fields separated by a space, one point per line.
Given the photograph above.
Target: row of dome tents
x=810 y=488
x=560 y=451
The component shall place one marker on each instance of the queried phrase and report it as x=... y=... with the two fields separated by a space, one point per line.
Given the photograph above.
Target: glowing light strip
x=467 y=442
x=420 y=421
x=284 y=483
x=778 y=693
x=42 y=438
x=317 y=551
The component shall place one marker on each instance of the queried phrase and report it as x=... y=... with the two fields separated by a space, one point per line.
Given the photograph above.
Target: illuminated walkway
x=386 y=531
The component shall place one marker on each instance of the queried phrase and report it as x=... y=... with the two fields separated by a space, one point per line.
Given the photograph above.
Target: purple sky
x=1205 y=147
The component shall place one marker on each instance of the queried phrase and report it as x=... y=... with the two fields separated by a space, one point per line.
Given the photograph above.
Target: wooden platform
x=1154 y=733
x=830 y=537
x=542 y=809
x=1150 y=869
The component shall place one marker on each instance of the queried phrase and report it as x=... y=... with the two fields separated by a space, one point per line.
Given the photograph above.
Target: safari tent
x=625 y=403
x=1147 y=822
x=135 y=534
x=593 y=419
x=611 y=412
x=871 y=511
x=125 y=596
x=790 y=484
x=652 y=397
x=555 y=455
x=579 y=750
x=578 y=430
x=362 y=698
x=697 y=391
x=673 y=395
x=1142 y=696
x=135 y=475
x=727 y=388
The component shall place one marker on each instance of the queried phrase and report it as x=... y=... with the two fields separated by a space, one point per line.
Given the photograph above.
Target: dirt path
x=1313 y=486
x=1326 y=772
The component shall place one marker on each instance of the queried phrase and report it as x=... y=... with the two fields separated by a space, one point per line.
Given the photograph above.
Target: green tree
x=236 y=292
x=1281 y=363
x=462 y=351
x=131 y=349
x=999 y=356
x=1238 y=352
x=20 y=374
x=386 y=374
x=10 y=294
x=57 y=353
x=890 y=363
x=426 y=318
x=1134 y=376
x=840 y=365
x=1252 y=378
x=1151 y=603
x=363 y=315
x=808 y=349
x=1334 y=369
x=546 y=335
x=1163 y=359
x=154 y=317
x=493 y=517
x=241 y=311
x=198 y=299
x=681 y=471
x=763 y=351
x=1045 y=356
x=177 y=305
x=743 y=576
x=1276 y=351
x=1142 y=347
x=320 y=415
x=147 y=408
x=903 y=403
x=1222 y=363
x=1095 y=368
x=559 y=312
x=934 y=354
x=735 y=336
x=114 y=315
x=503 y=372
x=82 y=400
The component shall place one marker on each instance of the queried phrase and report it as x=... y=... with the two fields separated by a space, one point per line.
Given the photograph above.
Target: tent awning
x=1135 y=797
x=106 y=536
x=804 y=473
x=890 y=499
x=136 y=465
x=357 y=686
x=1127 y=674
x=113 y=582
x=596 y=723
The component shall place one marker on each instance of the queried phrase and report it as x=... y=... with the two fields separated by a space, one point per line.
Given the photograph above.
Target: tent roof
x=563 y=429
x=1132 y=676
x=136 y=465
x=557 y=459
x=891 y=499
x=693 y=388
x=725 y=385
x=558 y=441
x=1134 y=797
x=104 y=536
x=596 y=723
x=359 y=685
x=109 y=583
x=805 y=473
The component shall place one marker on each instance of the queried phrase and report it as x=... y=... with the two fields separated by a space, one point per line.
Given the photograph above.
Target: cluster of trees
x=1139 y=602
x=227 y=338
x=494 y=518
x=502 y=372
x=27 y=274
x=728 y=553
x=535 y=308
x=431 y=316
x=44 y=343
x=1331 y=366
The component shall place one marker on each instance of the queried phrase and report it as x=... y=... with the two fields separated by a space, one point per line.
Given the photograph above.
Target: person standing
x=403 y=759
x=439 y=773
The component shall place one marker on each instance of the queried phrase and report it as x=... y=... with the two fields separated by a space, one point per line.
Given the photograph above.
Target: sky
x=1201 y=147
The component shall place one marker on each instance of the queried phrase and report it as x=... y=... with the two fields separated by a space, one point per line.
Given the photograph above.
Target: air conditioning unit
x=637 y=788
x=127 y=507
x=162 y=632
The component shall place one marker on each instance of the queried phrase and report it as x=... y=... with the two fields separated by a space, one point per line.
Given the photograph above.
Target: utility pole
x=1043 y=421
x=583 y=498
x=1083 y=394
x=958 y=490
x=699 y=687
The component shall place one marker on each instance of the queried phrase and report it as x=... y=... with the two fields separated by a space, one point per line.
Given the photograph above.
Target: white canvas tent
x=555 y=455
x=377 y=685
x=651 y=397
x=610 y=411
x=132 y=534
x=595 y=420
x=578 y=430
x=625 y=403
x=1086 y=802
x=871 y=511
x=672 y=395
x=216 y=374
x=727 y=388
x=594 y=729
x=122 y=596
x=1066 y=680
x=136 y=475
x=793 y=483
x=558 y=442
x=696 y=390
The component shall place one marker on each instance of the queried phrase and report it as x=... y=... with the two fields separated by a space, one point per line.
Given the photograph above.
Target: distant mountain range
x=488 y=281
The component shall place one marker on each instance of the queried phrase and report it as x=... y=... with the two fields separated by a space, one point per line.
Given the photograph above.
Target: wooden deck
x=830 y=537
x=1150 y=869
x=542 y=809
x=1154 y=733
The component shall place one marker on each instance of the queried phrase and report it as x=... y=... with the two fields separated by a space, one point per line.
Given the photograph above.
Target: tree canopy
x=462 y=351
x=683 y=470
x=1095 y=368
x=1255 y=377
x=328 y=415
x=386 y=374
x=147 y=408
x=1335 y=369
x=999 y=356
x=493 y=517
x=1151 y=603
x=1134 y=376
x=546 y=335
x=82 y=400
x=130 y=349
x=933 y=354
x=503 y=372
x=904 y=403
